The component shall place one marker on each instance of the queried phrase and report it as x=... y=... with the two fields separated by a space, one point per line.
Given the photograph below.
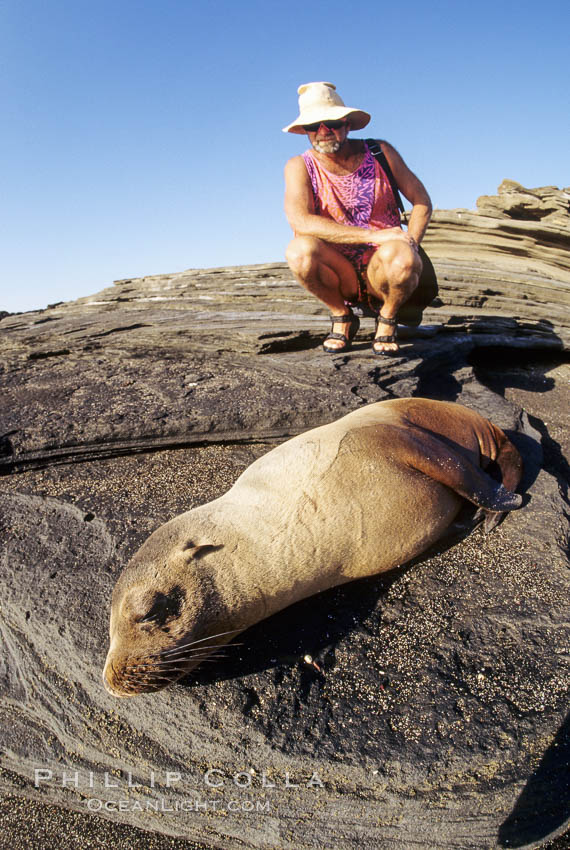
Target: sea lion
x=342 y=501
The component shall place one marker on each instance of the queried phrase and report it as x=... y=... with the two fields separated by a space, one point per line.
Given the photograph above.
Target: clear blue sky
x=144 y=136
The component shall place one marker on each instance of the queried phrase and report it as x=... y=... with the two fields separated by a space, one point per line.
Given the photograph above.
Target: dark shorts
x=365 y=304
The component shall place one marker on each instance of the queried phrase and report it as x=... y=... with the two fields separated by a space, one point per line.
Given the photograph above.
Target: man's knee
x=302 y=253
x=404 y=271
x=401 y=264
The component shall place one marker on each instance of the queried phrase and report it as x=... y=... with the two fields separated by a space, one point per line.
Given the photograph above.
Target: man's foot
x=343 y=331
x=386 y=335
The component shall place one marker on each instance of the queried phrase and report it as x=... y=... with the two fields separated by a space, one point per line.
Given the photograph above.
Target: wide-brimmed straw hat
x=320 y=102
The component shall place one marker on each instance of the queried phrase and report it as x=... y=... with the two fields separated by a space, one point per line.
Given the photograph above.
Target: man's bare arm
x=413 y=189
x=300 y=214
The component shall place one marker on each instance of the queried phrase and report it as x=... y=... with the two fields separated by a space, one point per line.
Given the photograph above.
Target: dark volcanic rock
x=434 y=711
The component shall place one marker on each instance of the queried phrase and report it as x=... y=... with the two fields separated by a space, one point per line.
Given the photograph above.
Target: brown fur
x=350 y=499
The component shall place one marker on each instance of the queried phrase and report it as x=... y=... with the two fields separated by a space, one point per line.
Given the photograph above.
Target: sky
x=142 y=137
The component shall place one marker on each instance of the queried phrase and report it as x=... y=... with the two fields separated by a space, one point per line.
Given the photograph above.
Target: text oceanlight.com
x=94 y=804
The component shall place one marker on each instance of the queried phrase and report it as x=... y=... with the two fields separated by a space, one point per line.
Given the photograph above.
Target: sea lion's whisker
x=184 y=657
x=187 y=650
x=148 y=675
x=207 y=660
x=169 y=667
x=134 y=672
x=133 y=680
x=199 y=652
x=154 y=680
x=189 y=653
x=174 y=665
x=157 y=665
x=165 y=662
x=201 y=640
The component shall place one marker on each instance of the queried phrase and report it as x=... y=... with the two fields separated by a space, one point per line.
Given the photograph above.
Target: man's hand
x=380 y=237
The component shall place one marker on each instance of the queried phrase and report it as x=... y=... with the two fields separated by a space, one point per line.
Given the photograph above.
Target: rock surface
x=547 y=204
x=437 y=706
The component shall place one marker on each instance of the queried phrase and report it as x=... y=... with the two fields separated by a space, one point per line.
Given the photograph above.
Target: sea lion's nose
x=111 y=681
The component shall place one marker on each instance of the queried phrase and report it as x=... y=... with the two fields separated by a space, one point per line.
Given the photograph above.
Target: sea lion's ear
x=195 y=551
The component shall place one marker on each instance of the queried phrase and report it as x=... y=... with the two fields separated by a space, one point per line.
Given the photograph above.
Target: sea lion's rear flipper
x=509 y=464
x=441 y=460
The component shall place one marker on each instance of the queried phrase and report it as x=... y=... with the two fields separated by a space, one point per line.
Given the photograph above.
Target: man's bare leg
x=327 y=274
x=393 y=273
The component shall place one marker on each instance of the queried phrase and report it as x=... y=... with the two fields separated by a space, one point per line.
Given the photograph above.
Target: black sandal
x=352 y=331
x=392 y=338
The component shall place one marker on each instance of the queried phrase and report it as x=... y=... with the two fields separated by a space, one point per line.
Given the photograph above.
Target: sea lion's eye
x=150 y=617
x=164 y=606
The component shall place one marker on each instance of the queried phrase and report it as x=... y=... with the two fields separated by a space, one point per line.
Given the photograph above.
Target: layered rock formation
x=547 y=204
x=437 y=707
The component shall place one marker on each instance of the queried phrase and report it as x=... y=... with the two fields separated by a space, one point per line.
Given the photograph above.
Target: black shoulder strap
x=379 y=154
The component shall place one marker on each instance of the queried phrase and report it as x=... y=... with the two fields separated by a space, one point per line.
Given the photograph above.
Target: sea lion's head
x=166 y=614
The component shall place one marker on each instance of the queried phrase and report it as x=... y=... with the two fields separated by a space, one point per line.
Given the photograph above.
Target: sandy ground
x=542 y=389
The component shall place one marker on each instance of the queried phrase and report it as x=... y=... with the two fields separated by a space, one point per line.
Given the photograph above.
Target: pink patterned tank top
x=361 y=199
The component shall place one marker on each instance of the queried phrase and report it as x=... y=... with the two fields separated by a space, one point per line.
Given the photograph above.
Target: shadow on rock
x=438 y=384
x=289 y=341
x=544 y=805
x=500 y=367
x=555 y=462
x=527 y=440
x=313 y=625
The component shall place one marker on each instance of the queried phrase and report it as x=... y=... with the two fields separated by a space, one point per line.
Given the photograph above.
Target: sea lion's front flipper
x=451 y=465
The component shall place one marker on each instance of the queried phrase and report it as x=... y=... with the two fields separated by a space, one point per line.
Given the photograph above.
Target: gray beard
x=327 y=147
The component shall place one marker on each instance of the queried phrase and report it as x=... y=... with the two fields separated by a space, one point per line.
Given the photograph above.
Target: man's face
x=329 y=137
